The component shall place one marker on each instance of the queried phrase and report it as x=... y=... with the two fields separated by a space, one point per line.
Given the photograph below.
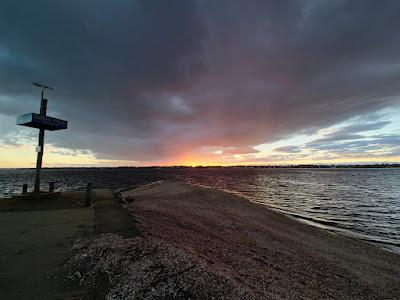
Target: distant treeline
x=305 y=166
x=309 y=166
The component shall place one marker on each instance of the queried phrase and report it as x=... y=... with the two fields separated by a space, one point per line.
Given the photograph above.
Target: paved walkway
x=34 y=241
x=111 y=217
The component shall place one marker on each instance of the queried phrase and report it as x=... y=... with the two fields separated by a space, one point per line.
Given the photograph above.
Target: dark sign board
x=42 y=122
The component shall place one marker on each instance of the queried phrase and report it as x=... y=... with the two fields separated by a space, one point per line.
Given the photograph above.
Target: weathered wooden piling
x=24 y=188
x=88 y=198
x=51 y=186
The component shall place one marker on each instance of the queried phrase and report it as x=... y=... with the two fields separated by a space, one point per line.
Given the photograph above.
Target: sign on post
x=42 y=122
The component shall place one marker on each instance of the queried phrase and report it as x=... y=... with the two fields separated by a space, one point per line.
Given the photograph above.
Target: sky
x=202 y=82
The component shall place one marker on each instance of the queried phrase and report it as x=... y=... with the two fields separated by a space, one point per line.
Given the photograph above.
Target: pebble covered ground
x=200 y=243
x=139 y=268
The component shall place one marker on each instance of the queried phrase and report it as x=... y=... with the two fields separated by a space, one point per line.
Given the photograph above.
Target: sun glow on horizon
x=25 y=157
x=377 y=143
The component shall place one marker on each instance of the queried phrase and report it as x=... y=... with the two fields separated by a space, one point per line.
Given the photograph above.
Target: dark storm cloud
x=364 y=148
x=101 y=58
x=356 y=139
x=348 y=133
x=353 y=141
x=145 y=80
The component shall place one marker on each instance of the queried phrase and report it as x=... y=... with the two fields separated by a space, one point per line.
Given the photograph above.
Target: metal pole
x=43 y=110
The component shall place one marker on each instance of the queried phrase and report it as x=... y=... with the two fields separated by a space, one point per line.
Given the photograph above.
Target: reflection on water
x=364 y=203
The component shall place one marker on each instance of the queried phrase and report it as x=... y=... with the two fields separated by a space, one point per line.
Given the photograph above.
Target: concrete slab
x=34 y=239
x=33 y=248
x=111 y=217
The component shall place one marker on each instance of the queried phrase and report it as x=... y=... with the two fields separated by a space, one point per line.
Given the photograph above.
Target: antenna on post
x=40 y=147
x=42 y=122
x=43 y=87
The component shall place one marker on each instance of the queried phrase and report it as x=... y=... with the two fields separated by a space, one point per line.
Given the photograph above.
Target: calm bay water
x=363 y=203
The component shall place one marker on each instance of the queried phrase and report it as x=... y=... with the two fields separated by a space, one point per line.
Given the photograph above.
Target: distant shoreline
x=301 y=166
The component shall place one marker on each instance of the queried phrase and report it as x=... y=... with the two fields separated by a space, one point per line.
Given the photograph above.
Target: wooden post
x=24 y=188
x=88 y=199
x=40 y=149
x=42 y=122
x=51 y=186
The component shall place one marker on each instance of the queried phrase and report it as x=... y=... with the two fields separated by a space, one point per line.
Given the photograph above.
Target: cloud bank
x=155 y=80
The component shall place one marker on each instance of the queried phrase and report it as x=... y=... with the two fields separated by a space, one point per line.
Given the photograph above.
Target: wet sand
x=225 y=246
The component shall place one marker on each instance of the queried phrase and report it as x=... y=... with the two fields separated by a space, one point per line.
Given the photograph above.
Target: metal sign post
x=40 y=149
x=42 y=122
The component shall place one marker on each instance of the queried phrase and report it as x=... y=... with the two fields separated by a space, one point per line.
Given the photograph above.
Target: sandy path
x=261 y=253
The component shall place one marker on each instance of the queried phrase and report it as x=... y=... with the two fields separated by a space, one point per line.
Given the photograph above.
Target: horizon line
x=335 y=165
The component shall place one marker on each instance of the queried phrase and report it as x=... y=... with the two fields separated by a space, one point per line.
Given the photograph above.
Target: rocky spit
x=198 y=243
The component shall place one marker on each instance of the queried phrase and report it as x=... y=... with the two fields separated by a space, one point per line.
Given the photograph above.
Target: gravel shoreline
x=202 y=243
